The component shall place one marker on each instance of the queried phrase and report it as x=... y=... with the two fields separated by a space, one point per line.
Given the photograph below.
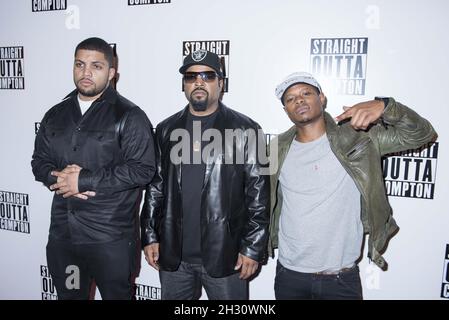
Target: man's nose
x=299 y=99
x=199 y=80
x=87 y=71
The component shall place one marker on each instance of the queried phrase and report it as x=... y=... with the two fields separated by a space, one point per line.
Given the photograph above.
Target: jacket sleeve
x=154 y=201
x=402 y=129
x=42 y=163
x=255 y=236
x=138 y=168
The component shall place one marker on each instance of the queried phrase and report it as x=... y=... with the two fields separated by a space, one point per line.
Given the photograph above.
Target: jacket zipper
x=358 y=148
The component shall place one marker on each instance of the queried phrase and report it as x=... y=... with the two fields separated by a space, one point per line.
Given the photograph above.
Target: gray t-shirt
x=320 y=227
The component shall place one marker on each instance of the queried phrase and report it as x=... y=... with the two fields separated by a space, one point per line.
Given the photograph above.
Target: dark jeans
x=290 y=285
x=186 y=284
x=111 y=265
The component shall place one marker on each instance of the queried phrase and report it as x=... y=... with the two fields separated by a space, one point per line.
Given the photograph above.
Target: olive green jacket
x=360 y=153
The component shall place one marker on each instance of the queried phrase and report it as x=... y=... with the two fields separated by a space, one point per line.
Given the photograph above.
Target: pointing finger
x=345 y=115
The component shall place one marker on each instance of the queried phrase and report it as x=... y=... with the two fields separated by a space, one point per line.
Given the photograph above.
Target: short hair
x=99 y=45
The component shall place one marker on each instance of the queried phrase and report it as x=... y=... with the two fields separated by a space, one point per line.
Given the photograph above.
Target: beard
x=92 y=92
x=199 y=104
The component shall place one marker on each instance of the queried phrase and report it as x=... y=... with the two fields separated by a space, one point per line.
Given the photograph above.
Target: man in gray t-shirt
x=328 y=190
x=315 y=184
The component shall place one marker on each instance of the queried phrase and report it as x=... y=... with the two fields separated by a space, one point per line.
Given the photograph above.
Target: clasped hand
x=67 y=183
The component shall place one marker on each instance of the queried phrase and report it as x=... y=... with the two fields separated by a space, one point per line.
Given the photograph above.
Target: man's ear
x=111 y=73
x=323 y=100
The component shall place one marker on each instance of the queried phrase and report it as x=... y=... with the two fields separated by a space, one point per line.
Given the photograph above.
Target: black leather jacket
x=113 y=143
x=234 y=205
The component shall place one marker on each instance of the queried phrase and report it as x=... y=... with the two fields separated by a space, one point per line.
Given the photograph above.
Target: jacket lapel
x=180 y=123
x=331 y=128
x=284 y=142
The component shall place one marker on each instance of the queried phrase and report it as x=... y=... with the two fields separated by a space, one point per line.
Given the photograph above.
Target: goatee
x=199 y=105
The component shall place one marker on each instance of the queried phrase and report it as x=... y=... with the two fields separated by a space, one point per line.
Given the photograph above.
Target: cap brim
x=184 y=68
x=295 y=83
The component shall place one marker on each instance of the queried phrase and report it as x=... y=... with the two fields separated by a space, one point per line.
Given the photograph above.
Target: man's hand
x=151 y=252
x=363 y=114
x=248 y=266
x=67 y=183
x=85 y=195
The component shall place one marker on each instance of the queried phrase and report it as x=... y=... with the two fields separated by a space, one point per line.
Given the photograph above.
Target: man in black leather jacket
x=95 y=150
x=205 y=217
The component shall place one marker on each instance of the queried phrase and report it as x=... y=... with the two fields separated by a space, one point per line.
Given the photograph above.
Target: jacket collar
x=331 y=126
x=110 y=95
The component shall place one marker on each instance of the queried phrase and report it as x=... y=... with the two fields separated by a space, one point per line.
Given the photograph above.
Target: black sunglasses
x=206 y=76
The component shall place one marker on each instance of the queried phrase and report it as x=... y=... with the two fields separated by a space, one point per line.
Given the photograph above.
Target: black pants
x=74 y=266
x=290 y=285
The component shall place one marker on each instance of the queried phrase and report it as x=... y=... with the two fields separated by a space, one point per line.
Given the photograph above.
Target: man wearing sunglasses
x=204 y=220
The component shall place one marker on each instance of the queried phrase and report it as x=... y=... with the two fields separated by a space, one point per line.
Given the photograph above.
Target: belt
x=330 y=273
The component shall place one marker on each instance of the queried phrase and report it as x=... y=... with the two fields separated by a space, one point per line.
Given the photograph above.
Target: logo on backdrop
x=219 y=47
x=14 y=211
x=139 y=2
x=11 y=68
x=411 y=173
x=37 y=125
x=48 y=5
x=340 y=62
x=144 y=292
x=48 y=289
x=445 y=284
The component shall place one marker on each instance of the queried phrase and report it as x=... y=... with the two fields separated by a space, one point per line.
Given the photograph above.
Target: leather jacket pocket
x=56 y=139
x=53 y=132
x=105 y=140
x=102 y=136
x=358 y=148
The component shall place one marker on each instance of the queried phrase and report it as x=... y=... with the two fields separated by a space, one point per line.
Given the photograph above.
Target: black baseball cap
x=202 y=57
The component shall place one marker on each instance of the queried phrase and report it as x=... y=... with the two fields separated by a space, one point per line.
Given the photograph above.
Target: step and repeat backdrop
x=358 y=49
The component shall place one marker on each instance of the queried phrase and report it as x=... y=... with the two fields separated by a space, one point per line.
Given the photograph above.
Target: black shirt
x=192 y=178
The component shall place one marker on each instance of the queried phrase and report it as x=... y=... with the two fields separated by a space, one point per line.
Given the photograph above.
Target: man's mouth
x=85 y=82
x=302 y=109
x=199 y=93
